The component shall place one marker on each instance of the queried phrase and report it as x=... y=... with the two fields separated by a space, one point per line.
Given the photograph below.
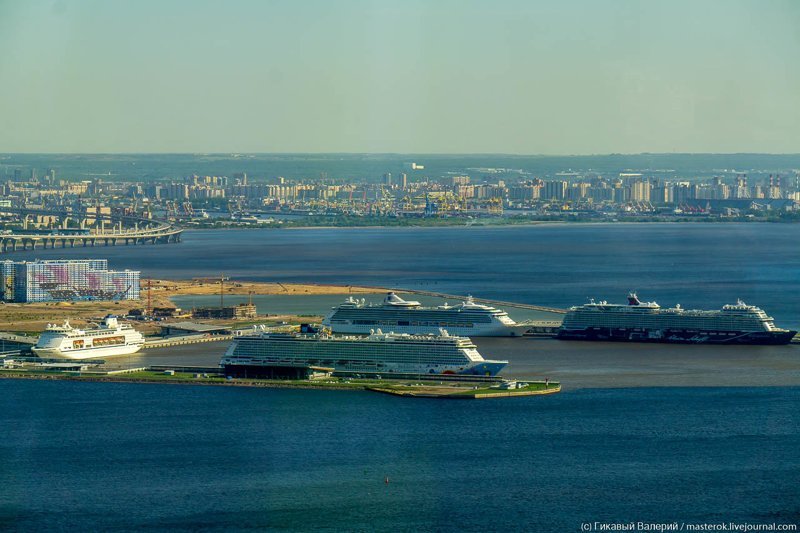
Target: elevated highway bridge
x=138 y=231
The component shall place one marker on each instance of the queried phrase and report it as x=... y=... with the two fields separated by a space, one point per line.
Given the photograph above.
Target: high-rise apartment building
x=66 y=279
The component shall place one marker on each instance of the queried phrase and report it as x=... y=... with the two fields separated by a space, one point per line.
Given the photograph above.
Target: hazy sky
x=531 y=77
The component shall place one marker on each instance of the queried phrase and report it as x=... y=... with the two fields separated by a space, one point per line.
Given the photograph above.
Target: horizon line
x=461 y=154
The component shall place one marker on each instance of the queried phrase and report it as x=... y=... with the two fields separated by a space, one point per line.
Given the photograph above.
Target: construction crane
x=221 y=279
x=172 y=212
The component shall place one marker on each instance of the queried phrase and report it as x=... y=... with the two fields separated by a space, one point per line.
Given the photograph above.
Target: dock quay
x=501 y=390
x=394 y=376
x=539 y=328
x=212 y=376
x=184 y=339
x=217 y=370
x=19 y=339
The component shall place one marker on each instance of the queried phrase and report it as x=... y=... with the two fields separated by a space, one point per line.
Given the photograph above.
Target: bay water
x=105 y=456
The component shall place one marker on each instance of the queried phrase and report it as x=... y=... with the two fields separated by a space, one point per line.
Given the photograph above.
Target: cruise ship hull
x=483 y=368
x=89 y=353
x=468 y=319
x=679 y=336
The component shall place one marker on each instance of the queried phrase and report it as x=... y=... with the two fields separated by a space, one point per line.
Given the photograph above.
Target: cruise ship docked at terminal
x=377 y=353
x=108 y=339
x=648 y=322
x=401 y=316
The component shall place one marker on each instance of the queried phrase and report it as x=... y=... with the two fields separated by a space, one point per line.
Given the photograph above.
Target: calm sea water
x=77 y=456
x=121 y=456
x=695 y=265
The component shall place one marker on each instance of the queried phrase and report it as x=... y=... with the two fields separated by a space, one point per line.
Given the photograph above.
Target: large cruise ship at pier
x=108 y=339
x=648 y=322
x=378 y=353
x=401 y=316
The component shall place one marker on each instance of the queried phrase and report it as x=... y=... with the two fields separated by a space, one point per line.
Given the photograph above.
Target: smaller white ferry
x=108 y=339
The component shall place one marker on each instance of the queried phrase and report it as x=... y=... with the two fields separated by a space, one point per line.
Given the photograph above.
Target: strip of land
x=408 y=389
x=32 y=318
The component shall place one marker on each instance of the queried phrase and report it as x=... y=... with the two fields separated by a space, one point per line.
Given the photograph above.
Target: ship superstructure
x=376 y=353
x=467 y=318
x=107 y=339
x=648 y=322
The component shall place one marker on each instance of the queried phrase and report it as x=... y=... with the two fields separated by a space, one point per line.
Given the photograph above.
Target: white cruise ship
x=108 y=339
x=395 y=314
x=649 y=322
x=378 y=353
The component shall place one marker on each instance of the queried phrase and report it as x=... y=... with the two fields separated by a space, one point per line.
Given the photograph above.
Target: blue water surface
x=702 y=265
x=103 y=456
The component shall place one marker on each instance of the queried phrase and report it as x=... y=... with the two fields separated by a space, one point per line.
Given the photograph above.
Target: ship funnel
x=633 y=299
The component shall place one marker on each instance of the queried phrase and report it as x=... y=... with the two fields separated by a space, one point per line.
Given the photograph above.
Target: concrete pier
x=494 y=303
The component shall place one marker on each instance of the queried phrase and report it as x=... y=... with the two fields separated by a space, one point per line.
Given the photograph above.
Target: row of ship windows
x=685 y=318
x=639 y=321
x=95 y=333
x=343 y=362
x=106 y=341
x=695 y=331
x=418 y=316
x=412 y=323
x=311 y=359
x=375 y=347
x=421 y=342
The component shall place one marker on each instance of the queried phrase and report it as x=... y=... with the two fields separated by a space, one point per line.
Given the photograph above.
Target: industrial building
x=238 y=312
x=66 y=280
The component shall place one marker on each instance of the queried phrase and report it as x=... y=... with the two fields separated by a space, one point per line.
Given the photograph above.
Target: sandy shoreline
x=178 y=288
x=32 y=318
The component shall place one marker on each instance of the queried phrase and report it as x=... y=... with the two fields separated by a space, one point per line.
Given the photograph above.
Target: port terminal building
x=66 y=280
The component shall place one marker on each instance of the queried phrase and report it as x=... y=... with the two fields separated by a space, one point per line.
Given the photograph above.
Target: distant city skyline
x=509 y=77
